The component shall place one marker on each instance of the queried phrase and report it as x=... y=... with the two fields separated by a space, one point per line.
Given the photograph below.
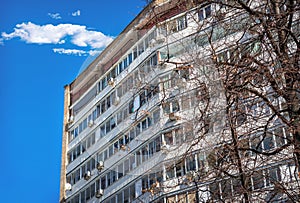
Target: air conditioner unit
x=191 y=175
x=117 y=101
x=91 y=123
x=71 y=119
x=163 y=64
x=87 y=175
x=164 y=146
x=99 y=193
x=100 y=165
x=123 y=147
x=68 y=187
x=111 y=82
x=160 y=39
x=152 y=43
x=173 y=117
x=155 y=185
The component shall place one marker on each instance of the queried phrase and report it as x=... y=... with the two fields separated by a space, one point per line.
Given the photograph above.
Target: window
x=108 y=101
x=256 y=144
x=143 y=98
x=119 y=91
x=208 y=11
x=273 y=175
x=119 y=117
x=158 y=143
x=145 y=184
x=125 y=63
x=130 y=82
x=110 y=151
x=201 y=14
x=151 y=148
x=166 y=81
x=179 y=138
x=103 y=109
x=180 y=169
x=104 y=154
x=130 y=58
x=120 y=67
x=175 y=106
x=181 y=23
x=138 y=158
x=82 y=197
x=141 y=48
x=204 y=13
x=190 y=163
x=132 y=192
x=166 y=107
x=170 y=172
x=168 y=138
x=214 y=191
x=107 y=125
x=144 y=124
x=258 y=180
x=102 y=131
x=156 y=116
x=126 y=166
x=149 y=119
x=103 y=83
x=108 y=179
x=131 y=106
x=268 y=141
x=112 y=123
x=135 y=53
x=137 y=129
x=144 y=153
x=132 y=162
x=131 y=134
x=114 y=175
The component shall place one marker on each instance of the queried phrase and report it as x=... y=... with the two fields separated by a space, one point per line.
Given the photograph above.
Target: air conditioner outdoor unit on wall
x=111 y=82
x=91 y=123
x=117 y=101
x=173 y=117
x=68 y=187
x=87 y=175
x=152 y=43
x=100 y=165
x=163 y=64
x=71 y=119
x=164 y=146
x=99 y=193
x=160 y=39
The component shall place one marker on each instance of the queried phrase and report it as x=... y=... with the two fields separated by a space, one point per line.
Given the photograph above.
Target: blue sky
x=43 y=45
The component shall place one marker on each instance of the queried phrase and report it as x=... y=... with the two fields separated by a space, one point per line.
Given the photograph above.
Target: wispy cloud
x=54 y=15
x=76 y=13
x=70 y=51
x=76 y=52
x=79 y=35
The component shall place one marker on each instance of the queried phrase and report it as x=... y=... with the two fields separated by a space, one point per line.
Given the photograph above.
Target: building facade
x=151 y=120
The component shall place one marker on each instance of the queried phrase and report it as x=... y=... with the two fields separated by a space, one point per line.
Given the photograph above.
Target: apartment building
x=146 y=121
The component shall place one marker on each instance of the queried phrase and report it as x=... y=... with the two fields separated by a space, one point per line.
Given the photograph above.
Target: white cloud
x=76 y=52
x=70 y=51
x=94 y=52
x=76 y=13
x=54 y=15
x=57 y=34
